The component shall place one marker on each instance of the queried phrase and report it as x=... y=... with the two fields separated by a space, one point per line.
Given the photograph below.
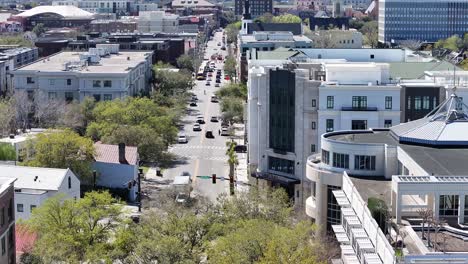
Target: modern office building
x=421 y=20
x=7 y=225
x=257 y=7
x=113 y=26
x=104 y=73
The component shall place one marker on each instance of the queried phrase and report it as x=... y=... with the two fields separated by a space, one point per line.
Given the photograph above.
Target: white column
x=435 y=208
x=398 y=206
x=461 y=208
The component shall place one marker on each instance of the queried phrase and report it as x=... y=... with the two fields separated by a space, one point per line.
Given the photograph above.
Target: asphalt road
x=203 y=156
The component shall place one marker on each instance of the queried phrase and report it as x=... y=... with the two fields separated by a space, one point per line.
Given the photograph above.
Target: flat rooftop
x=437 y=161
x=375 y=188
x=113 y=63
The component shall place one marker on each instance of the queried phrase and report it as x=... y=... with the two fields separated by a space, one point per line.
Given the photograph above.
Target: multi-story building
x=421 y=20
x=7 y=224
x=157 y=22
x=10 y=59
x=257 y=7
x=104 y=73
x=113 y=26
x=98 y=6
x=340 y=39
x=35 y=185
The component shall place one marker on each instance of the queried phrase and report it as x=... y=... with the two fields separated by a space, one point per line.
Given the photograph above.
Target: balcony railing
x=367 y=108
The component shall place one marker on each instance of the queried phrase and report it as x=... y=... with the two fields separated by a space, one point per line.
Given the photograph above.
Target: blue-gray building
x=422 y=20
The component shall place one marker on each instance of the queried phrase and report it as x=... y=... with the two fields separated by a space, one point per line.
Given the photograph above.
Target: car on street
x=200 y=119
x=214 y=119
x=209 y=134
x=207 y=83
x=194 y=98
x=196 y=127
x=240 y=148
x=219 y=43
x=182 y=139
x=218 y=80
x=224 y=131
x=217 y=85
x=185 y=174
x=227 y=78
x=223 y=48
x=193 y=103
x=214 y=99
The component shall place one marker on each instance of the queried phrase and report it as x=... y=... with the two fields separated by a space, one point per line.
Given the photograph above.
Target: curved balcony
x=311 y=207
x=315 y=169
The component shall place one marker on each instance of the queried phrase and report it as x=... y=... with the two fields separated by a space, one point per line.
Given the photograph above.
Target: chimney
x=122 y=158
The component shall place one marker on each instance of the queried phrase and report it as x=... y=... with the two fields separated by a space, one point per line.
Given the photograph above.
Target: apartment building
x=257 y=7
x=157 y=22
x=421 y=20
x=10 y=59
x=104 y=73
x=7 y=221
x=340 y=39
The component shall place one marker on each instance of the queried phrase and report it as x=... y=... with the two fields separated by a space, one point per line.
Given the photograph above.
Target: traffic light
x=213 y=178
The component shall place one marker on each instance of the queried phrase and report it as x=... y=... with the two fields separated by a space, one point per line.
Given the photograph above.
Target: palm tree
x=232 y=158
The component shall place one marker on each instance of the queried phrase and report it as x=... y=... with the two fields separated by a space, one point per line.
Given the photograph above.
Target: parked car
x=223 y=48
x=214 y=99
x=185 y=173
x=182 y=139
x=240 y=148
x=194 y=98
x=207 y=83
x=193 y=103
x=224 y=131
x=216 y=84
x=214 y=119
x=200 y=120
x=218 y=80
x=196 y=127
x=219 y=43
x=209 y=134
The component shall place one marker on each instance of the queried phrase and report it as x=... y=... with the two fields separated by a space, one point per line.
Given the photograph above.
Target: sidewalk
x=242 y=177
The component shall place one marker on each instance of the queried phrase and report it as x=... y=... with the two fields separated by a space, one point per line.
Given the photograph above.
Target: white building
x=11 y=59
x=104 y=73
x=98 y=6
x=117 y=167
x=291 y=105
x=157 y=21
x=340 y=39
x=35 y=185
x=20 y=142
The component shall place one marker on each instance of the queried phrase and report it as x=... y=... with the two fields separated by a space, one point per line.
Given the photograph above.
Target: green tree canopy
x=70 y=231
x=233 y=90
x=172 y=83
x=186 y=62
x=232 y=30
x=230 y=66
x=370 y=31
x=15 y=40
x=288 y=18
x=135 y=122
x=7 y=152
x=454 y=43
x=63 y=149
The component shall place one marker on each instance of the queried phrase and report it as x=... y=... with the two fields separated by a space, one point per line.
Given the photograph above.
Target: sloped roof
x=47 y=178
x=64 y=11
x=447 y=125
x=110 y=154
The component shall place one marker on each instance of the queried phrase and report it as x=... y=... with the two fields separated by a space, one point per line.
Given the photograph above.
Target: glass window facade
x=388 y=102
x=340 y=160
x=359 y=102
x=330 y=102
x=448 y=205
x=325 y=156
x=281 y=165
x=330 y=125
x=333 y=209
x=282 y=110
x=387 y=123
x=358 y=124
x=363 y=162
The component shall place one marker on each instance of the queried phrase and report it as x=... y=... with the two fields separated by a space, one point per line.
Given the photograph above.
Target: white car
x=196 y=127
x=181 y=198
x=224 y=131
x=182 y=139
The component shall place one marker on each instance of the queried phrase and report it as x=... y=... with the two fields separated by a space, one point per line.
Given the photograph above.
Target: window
x=314 y=103
x=107 y=83
x=358 y=124
x=97 y=97
x=448 y=205
x=362 y=162
x=340 y=160
x=313 y=125
x=20 y=208
x=417 y=103
x=68 y=81
x=29 y=80
x=330 y=102
x=330 y=125
x=52 y=95
x=333 y=209
x=388 y=102
x=425 y=102
x=312 y=148
x=325 y=157
x=459 y=105
x=359 y=102
x=3 y=246
x=96 y=83
x=11 y=235
x=107 y=97
x=387 y=123
x=69 y=182
x=68 y=97
x=10 y=210
x=281 y=165
x=32 y=207
x=51 y=82
x=372 y=56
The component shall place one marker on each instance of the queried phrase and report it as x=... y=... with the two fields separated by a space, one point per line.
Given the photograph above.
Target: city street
x=203 y=156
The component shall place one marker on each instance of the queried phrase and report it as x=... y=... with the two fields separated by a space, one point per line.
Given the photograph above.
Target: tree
x=325 y=39
x=233 y=90
x=230 y=66
x=63 y=149
x=7 y=152
x=232 y=109
x=371 y=33
x=24 y=109
x=426 y=215
x=266 y=18
x=232 y=30
x=227 y=17
x=7 y=116
x=75 y=231
x=39 y=29
x=232 y=157
x=15 y=40
x=288 y=18
x=186 y=62
x=411 y=44
x=172 y=83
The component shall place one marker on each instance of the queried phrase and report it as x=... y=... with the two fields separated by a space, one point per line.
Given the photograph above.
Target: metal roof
x=110 y=154
x=64 y=11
